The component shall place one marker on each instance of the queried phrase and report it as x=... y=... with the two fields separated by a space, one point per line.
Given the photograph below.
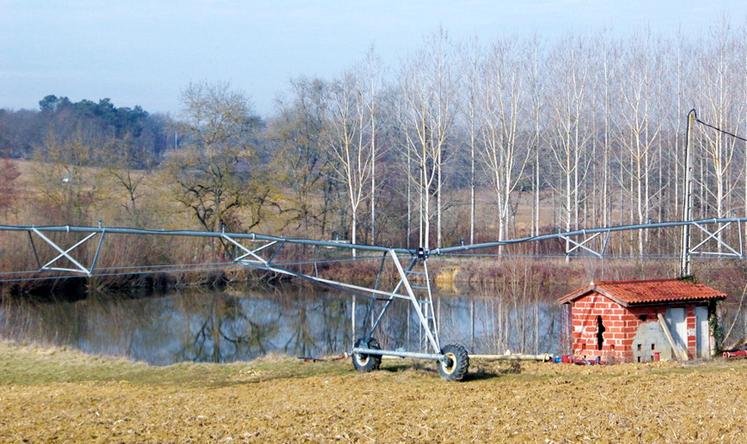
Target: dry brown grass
x=62 y=395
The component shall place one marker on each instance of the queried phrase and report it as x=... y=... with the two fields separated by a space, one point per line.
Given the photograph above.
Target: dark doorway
x=600 y=333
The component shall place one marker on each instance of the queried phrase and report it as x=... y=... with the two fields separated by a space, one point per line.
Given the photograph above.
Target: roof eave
x=593 y=288
x=679 y=301
x=612 y=297
x=570 y=297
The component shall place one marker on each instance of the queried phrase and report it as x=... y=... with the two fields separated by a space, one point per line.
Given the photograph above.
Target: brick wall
x=620 y=325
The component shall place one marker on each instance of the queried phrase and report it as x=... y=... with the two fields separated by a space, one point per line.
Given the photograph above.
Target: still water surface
x=242 y=324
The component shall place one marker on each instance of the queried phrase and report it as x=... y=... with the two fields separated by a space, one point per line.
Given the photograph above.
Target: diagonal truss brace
x=403 y=290
x=242 y=259
x=67 y=253
x=586 y=244
x=731 y=251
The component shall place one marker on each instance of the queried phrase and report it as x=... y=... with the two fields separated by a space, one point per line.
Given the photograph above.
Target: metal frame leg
x=423 y=321
x=374 y=293
x=389 y=300
x=369 y=310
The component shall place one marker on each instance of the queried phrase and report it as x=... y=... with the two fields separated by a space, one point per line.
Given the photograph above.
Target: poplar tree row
x=475 y=141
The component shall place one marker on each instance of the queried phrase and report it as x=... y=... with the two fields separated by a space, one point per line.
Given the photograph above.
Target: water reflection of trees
x=100 y=323
x=241 y=324
x=220 y=328
x=318 y=320
x=496 y=324
x=295 y=320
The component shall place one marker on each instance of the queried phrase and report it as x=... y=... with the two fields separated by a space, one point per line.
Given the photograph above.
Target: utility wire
x=155 y=267
x=170 y=268
x=95 y=275
x=326 y=261
x=646 y=257
x=721 y=130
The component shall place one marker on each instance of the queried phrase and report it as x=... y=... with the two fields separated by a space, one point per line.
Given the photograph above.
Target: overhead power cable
x=134 y=270
x=721 y=130
x=125 y=273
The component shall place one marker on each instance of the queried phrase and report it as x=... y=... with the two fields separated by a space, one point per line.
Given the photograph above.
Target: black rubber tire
x=456 y=364
x=367 y=363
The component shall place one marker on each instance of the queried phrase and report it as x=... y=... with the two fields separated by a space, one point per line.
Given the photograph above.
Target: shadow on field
x=481 y=372
x=476 y=373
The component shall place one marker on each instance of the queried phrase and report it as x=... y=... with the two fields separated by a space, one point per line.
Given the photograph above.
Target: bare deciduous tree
x=428 y=88
x=568 y=136
x=348 y=140
x=8 y=191
x=213 y=175
x=503 y=100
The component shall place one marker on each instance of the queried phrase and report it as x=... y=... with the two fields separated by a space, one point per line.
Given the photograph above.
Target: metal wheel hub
x=448 y=363
x=361 y=359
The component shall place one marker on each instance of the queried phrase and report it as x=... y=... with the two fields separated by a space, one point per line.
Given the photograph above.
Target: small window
x=643 y=318
x=653 y=346
x=638 y=346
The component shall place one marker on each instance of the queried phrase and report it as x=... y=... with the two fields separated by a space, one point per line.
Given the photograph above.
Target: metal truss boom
x=589 y=232
x=364 y=247
x=205 y=234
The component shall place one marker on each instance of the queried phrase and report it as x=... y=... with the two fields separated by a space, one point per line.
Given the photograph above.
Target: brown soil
x=65 y=396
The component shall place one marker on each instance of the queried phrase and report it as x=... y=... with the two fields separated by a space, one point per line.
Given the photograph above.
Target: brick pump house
x=641 y=321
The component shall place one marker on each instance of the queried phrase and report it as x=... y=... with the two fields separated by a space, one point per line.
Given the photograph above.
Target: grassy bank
x=63 y=395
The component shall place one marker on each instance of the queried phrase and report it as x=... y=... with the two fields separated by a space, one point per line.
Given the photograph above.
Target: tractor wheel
x=455 y=363
x=366 y=363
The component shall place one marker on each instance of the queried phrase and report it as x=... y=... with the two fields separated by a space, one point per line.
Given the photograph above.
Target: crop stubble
x=67 y=396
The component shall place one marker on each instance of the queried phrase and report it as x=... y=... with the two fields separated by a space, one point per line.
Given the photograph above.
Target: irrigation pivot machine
x=410 y=266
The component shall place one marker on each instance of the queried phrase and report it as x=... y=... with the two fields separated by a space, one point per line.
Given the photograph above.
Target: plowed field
x=66 y=396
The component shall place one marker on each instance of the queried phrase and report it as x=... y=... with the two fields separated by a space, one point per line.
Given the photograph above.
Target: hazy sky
x=145 y=52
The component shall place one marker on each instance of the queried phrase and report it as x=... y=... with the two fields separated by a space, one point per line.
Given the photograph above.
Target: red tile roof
x=645 y=292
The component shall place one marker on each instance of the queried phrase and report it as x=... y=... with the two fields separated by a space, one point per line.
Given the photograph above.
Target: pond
x=237 y=324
